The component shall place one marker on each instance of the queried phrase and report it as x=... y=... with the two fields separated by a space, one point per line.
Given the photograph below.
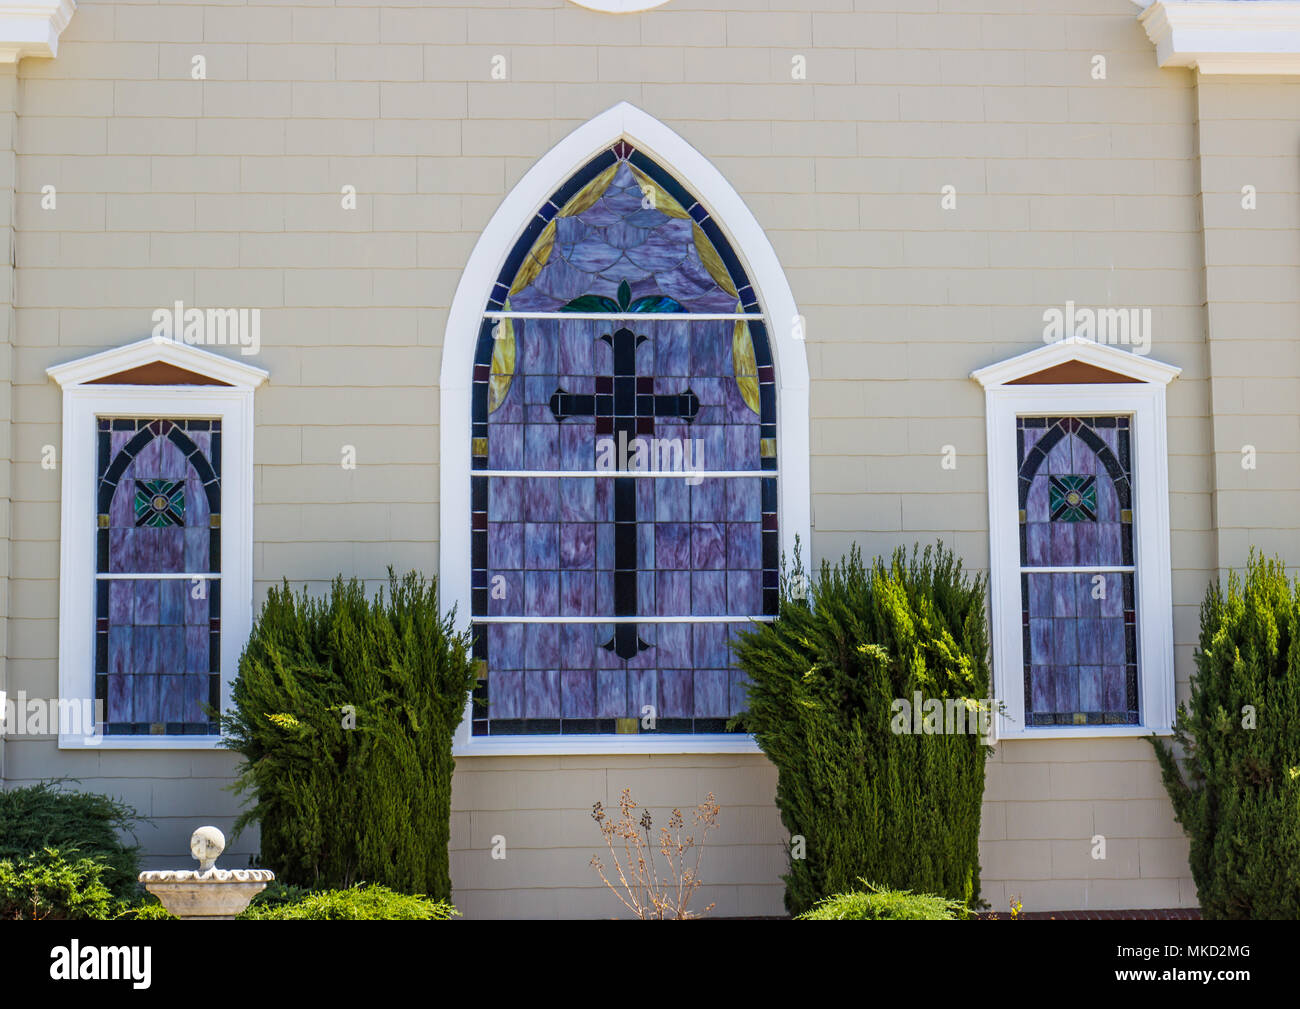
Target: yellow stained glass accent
x=480 y=670
x=1126 y=515
x=767 y=448
x=503 y=361
x=1024 y=517
x=540 y=253
x=659 y=197
x=586 y=197
x=214 y=521
x=1080 y=718
x=712 y=261
x=103 y=521
x=537 y=257
x=479 y=446
x=626 y=726
x=157 y=728
x=744 y=363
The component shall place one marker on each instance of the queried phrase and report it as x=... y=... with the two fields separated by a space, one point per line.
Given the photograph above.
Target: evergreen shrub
x=901 y=808
x=875 y=904
x=50 y=885
x=357 y=903
x=85 y=824
x=345 y=708
x=1239 y=798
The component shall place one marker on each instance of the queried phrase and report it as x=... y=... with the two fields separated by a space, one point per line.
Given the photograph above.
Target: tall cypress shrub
x=900 y=809
x=1239 y=801
x=345 y=709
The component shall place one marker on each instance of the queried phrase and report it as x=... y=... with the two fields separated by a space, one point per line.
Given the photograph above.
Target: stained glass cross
x=625 y=407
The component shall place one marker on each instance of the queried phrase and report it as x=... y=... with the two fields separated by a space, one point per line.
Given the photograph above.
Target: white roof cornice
x=32 y=27
x=151 y=351
x=1226 y=36
x=1100 y=355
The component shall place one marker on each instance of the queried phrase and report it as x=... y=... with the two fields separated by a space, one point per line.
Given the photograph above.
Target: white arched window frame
x=1141 y=396
x=786 y=332
x=620 y=6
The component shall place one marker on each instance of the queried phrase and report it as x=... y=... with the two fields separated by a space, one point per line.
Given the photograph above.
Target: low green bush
x=49 y=885
x=875 y=904
x=1237 y=793
x=45 y=815
x=357 y=903
x=345 y=708
x=145 y=910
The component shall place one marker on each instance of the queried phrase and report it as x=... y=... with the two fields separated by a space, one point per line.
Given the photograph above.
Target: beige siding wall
x=1249 y=135
x=8 y=124
x=226 y=192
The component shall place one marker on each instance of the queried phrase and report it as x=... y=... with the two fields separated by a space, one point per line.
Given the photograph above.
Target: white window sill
x=1086 y=732
x=141 y=743
x=565 y=746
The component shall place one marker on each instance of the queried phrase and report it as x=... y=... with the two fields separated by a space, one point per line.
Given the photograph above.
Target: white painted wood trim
x=1226 y=36
x=1145 y=403
x=150 y=351
x=620 y=6
x=785 y=334
x=32 y=27
x=1122 y=362
x=82 y=404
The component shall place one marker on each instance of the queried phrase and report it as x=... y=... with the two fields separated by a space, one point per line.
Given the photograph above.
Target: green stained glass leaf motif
x=648 y=305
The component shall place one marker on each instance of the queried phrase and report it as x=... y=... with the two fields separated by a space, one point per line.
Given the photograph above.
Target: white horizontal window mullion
x=680 y=619
x=1115 y=569
x=147 y=576
x=619 y=474
x=630 y=316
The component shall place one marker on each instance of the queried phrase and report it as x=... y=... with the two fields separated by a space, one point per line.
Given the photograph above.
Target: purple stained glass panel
x=157 y=654
x=1079 y=626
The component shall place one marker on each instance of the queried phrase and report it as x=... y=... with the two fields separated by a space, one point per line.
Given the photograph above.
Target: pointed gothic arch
x=760 y=290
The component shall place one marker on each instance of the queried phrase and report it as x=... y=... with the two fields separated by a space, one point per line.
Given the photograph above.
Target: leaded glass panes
x=158 y=564
x=624 y=449
x=1077 y=570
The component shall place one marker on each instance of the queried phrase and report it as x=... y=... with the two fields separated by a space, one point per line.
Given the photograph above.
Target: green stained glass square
x=1072 y=498
x=160 y=503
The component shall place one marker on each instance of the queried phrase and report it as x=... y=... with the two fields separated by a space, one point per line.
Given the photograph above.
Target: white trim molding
x=1143 y=399
x=620 y=6
x=32 y=27
x=84 y=401
x=750 y=243
x=1226 y=36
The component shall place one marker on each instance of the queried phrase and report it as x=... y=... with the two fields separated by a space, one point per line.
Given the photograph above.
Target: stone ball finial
x=206 y=844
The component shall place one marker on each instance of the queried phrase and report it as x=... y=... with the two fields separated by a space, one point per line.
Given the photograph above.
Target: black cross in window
x=625 y=405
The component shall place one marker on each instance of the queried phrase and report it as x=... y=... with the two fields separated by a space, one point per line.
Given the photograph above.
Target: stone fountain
x=208 y=893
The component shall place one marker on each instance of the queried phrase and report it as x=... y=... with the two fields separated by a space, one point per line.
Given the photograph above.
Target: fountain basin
x=218 y=894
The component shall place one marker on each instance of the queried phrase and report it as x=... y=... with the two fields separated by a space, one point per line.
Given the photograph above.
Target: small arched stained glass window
x=1077 y=570
x=158 y=565
x=624 y=486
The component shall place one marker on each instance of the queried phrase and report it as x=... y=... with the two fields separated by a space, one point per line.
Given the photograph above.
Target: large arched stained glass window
x=623 y=447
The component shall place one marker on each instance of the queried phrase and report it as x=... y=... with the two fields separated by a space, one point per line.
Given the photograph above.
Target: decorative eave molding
x=148 y=351
x=1226 y=36
x=32 y=27
x=1121 y=362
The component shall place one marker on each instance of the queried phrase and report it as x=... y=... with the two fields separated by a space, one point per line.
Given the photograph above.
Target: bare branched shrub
x=642 y=888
